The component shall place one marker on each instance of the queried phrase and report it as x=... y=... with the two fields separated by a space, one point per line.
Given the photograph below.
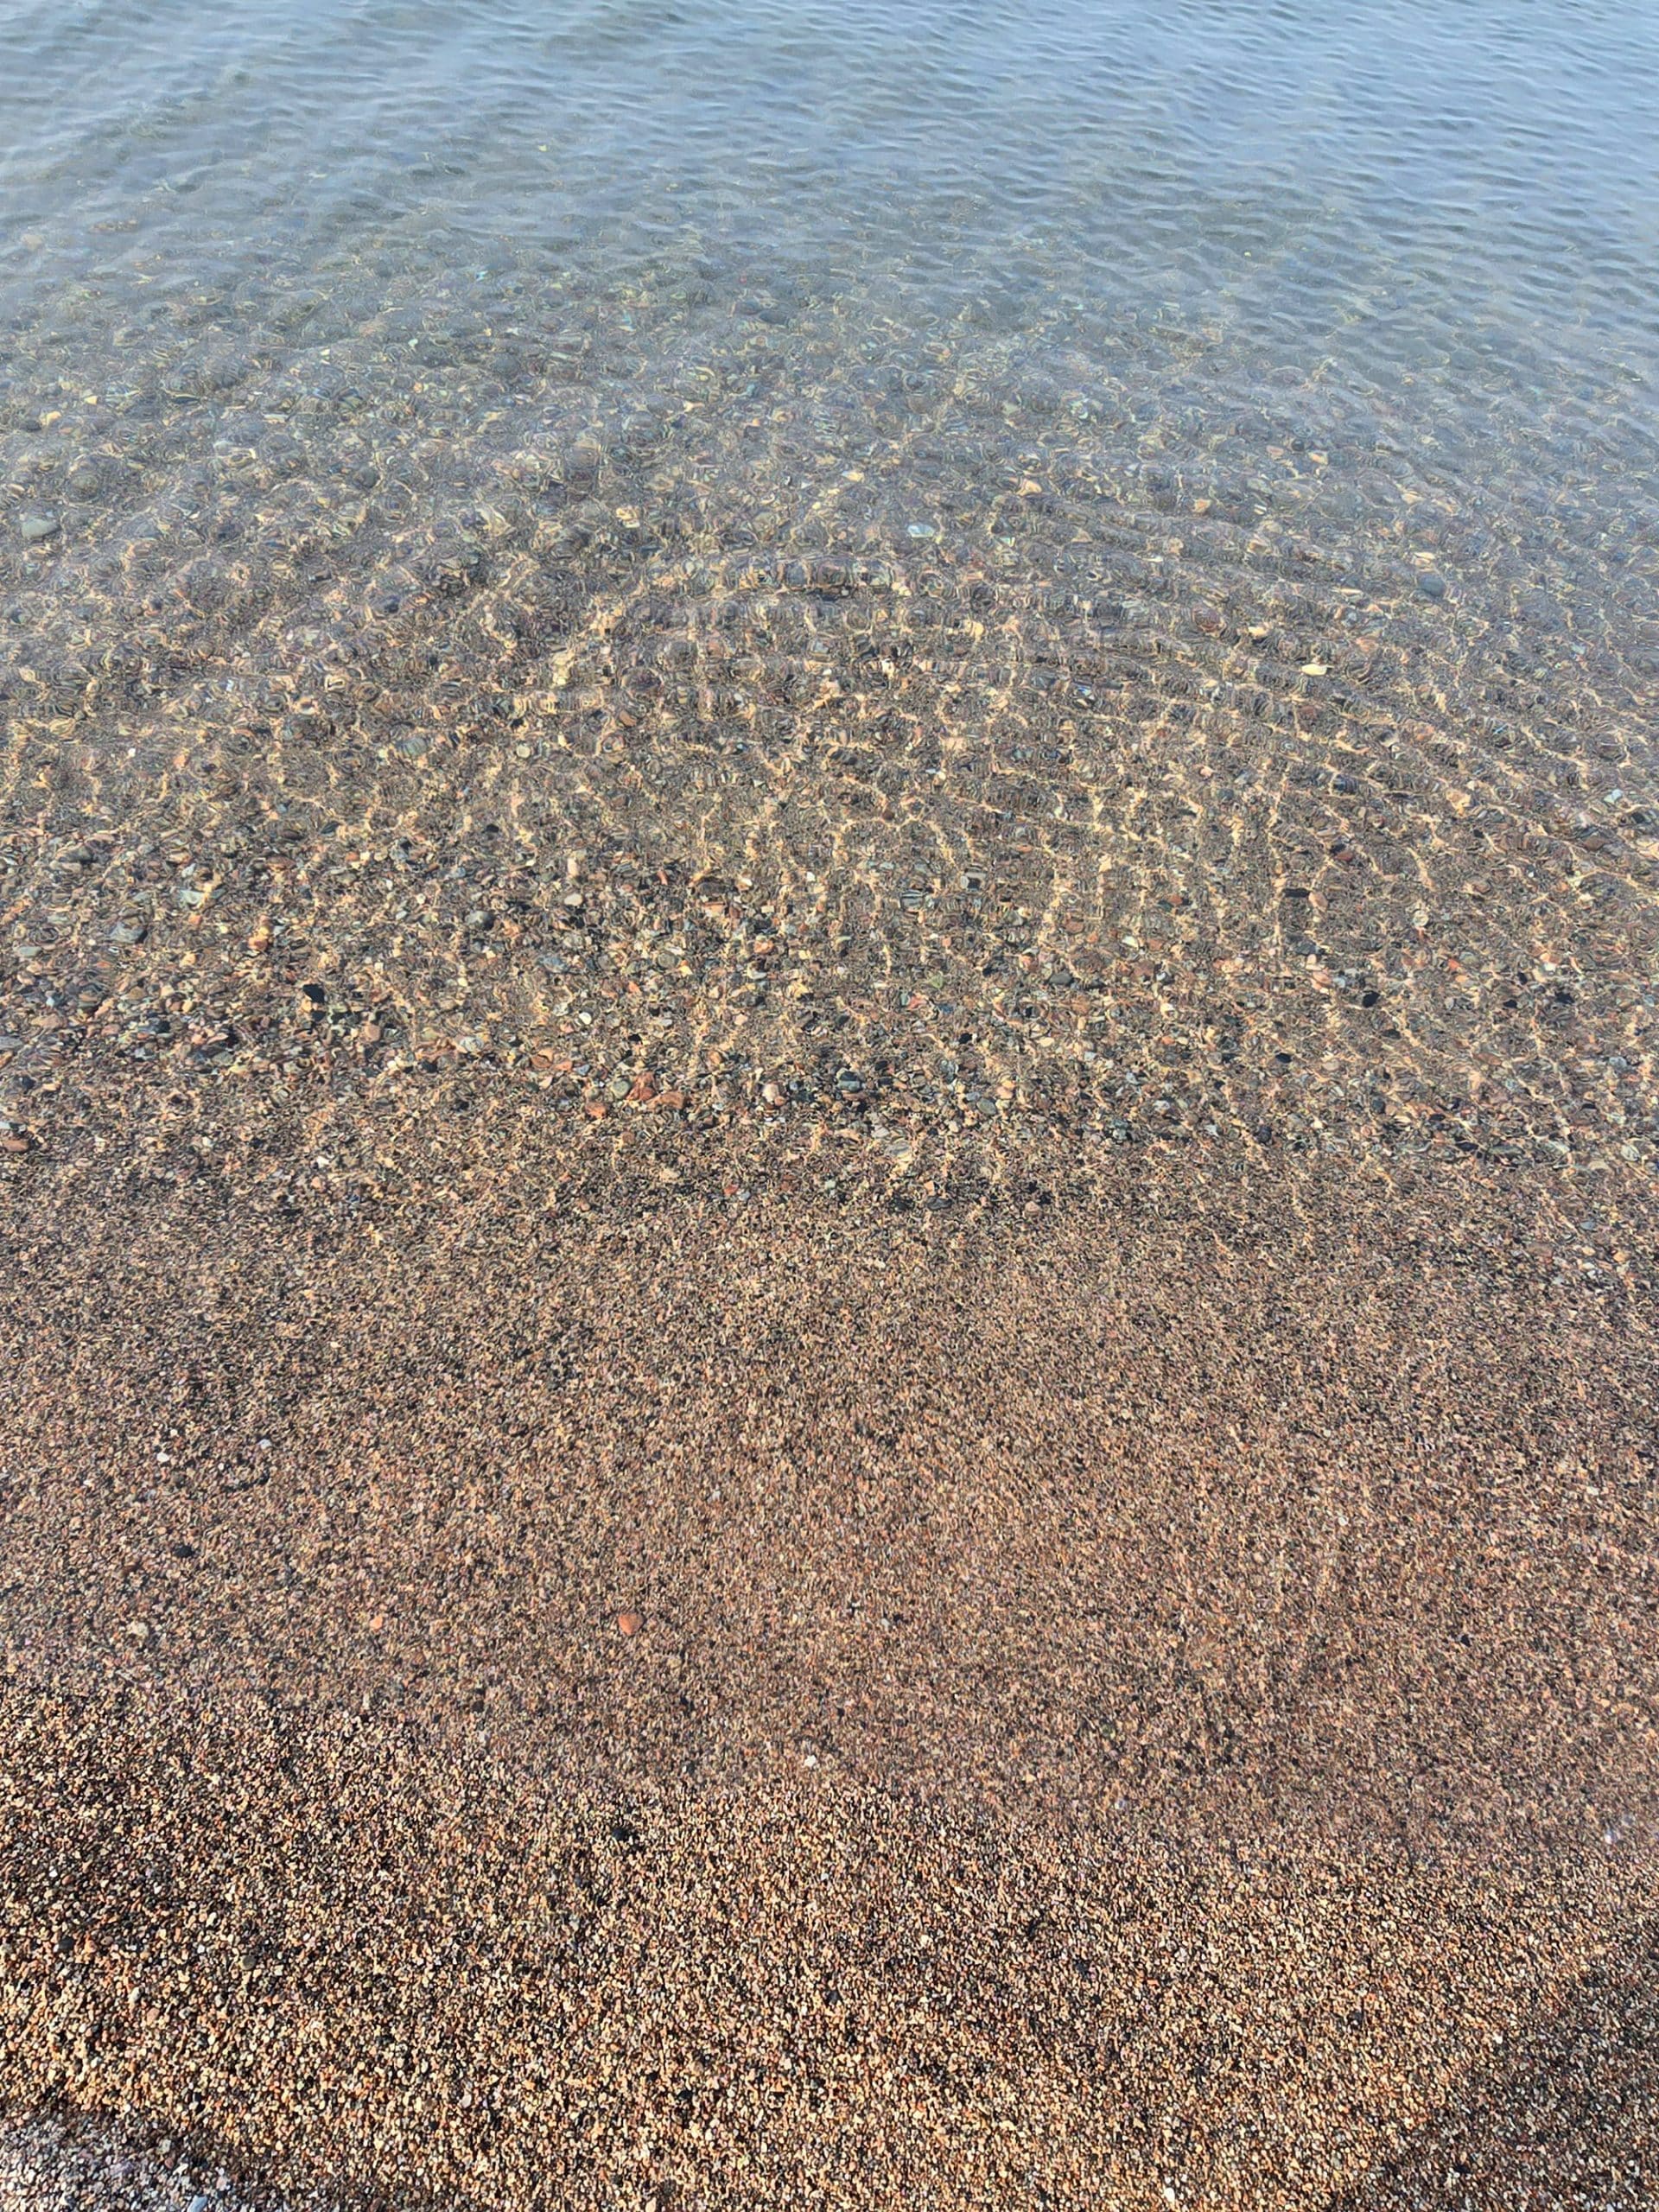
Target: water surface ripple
x=939 y=569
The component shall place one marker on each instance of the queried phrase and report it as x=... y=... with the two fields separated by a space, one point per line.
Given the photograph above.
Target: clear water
x=1085 y=566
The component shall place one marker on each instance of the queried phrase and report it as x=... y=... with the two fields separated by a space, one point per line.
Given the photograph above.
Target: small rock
x=629 y=1623
x=1432 y=587
x=32 y=529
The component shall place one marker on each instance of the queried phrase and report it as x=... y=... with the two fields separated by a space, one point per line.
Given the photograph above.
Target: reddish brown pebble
x=630 y=1624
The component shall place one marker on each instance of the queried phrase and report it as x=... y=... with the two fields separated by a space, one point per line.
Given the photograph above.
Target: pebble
x=70 y=2161
x=1432 y=587
x=34 y=528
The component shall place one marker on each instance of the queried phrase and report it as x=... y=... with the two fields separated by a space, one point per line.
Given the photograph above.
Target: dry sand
x=599 y=1693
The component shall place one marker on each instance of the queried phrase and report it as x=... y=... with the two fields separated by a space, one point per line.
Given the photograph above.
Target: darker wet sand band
x=1144 y=1702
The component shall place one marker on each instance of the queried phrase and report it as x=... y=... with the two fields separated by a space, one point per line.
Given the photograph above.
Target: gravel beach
x=601 y=1693
x=829 y=1107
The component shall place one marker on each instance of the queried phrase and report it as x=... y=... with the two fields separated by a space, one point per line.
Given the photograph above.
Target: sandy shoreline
x=829 y=933
x=1143 y=1699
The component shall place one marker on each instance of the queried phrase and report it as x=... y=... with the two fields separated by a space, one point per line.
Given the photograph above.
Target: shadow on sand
x=1568 y=2122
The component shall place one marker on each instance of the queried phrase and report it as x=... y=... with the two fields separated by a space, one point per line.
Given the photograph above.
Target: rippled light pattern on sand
x=961 y=571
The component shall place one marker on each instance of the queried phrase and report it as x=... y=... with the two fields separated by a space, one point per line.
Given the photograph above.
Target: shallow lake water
x=963 y=567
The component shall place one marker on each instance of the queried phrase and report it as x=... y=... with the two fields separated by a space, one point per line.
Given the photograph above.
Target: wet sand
x=591 y=1690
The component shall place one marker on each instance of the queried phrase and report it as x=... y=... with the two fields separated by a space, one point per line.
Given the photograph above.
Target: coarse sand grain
x=646 y=1697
